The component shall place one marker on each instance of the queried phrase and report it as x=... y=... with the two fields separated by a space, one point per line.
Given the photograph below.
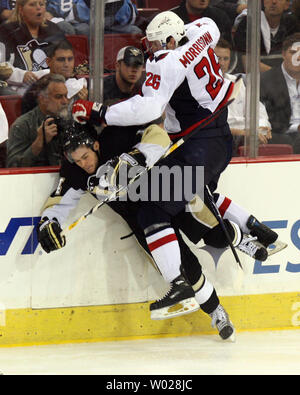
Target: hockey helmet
x=164 y=25
x=74 y=135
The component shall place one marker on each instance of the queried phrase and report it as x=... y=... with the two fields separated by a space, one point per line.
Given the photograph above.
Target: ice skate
x=178 y=301
x=266 y=236
x=220 y=319
x=251 y=247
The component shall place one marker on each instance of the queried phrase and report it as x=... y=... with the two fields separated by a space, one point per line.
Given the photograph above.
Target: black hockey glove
x=49 y=235
x=116 y=174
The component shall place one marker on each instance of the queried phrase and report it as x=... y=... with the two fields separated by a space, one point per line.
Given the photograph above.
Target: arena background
x=99 y=287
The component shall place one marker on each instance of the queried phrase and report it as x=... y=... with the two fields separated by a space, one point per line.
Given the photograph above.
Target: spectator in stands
x=280 y=92
x=295 y=8
x=121 y=17
x=276 y=25
x=4 y=125
x=27 y=34
x=33 y=137
x=3 y=136
x=5 y=71
x=60 y=60
x=72 y=16
x=237 y=109
x=232 y=7
x=190 y=10
x=124 y=83
x=6 y=9
x=128 y=77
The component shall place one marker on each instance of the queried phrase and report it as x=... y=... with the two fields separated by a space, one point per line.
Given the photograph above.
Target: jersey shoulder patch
x=160 y=57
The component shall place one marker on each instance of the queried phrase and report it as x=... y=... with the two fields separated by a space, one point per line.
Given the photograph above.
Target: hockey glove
x=116 y=174
x=84 y=111
x=49 y=235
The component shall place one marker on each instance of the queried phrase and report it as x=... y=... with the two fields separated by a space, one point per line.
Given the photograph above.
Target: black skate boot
x=178 y=301
x=221 y=320
x=264 y=234
x=249 y=246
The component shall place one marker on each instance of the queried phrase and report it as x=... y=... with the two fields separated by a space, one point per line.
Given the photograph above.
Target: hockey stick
x=217 y=214
x=205 y=122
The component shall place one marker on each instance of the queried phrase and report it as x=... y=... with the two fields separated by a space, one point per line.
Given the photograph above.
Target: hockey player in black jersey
x=86 y=152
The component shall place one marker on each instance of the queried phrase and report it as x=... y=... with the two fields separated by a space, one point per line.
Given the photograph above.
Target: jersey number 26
x=153 y=80
x=212 y=68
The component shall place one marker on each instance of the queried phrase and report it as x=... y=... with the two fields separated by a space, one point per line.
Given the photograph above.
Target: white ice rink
x=253 y=353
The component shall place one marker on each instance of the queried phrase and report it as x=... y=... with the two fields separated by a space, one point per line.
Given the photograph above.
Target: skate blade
x=231 y=338
x=227 y=334
x=277 y=246
x=186 y=306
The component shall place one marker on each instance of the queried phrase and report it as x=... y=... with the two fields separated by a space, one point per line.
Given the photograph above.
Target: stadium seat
x=269 y=150
x=148 y=13
x=12 y=107
x=81 y=47
x=162 y=5
x=113 y=43
x=3 y=152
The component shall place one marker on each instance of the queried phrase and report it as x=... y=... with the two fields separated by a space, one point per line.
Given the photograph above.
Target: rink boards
x=99 y=286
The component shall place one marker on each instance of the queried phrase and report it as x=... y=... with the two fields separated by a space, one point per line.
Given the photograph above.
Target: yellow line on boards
x=23 y=327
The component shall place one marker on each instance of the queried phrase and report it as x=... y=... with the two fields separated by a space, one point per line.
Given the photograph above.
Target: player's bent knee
x=216 y=237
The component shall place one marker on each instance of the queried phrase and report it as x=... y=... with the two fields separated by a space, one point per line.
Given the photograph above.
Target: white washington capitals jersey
x=186 y=83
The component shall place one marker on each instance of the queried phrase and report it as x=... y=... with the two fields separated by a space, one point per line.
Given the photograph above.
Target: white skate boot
x=220 y=319
x=251 y=247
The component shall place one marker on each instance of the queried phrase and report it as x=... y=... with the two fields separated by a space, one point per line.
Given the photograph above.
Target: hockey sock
x=232 y=211
x=164 y=248
x=206 y=295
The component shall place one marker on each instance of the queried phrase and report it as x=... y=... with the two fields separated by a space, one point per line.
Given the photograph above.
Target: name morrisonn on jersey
x=195 y=50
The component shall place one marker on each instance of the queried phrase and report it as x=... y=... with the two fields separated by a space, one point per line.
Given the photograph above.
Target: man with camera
x=33 y=137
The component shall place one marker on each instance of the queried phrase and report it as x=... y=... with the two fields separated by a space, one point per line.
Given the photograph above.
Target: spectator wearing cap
x=128 y=78
x=124 y=83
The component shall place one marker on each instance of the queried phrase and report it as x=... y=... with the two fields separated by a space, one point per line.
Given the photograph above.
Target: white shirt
x=294 y=93
x=237 y=109
x=4 y=125
x=15 y=81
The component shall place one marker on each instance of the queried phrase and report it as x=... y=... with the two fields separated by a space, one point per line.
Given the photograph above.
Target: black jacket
x=288 y=25
x=274 y=94
x=218 y=16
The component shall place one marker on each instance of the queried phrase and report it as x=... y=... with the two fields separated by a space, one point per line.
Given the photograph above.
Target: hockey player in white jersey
x=184 y=81
x=193 y=66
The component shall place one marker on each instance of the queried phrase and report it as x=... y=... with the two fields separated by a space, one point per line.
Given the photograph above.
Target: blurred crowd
x=44 y=67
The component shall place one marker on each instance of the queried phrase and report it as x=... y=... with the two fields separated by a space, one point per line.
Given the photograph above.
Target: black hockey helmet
x=74 y=134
